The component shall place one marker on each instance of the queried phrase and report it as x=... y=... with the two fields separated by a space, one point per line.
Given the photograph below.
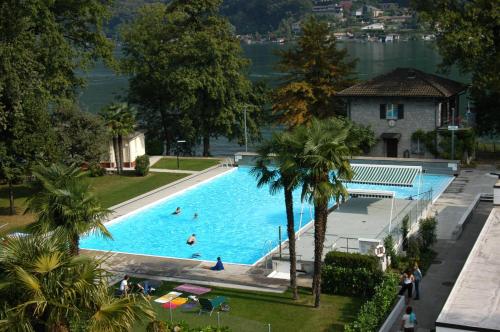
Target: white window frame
x=391 y=111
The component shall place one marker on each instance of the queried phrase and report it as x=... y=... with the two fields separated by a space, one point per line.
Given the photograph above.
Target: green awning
x=389 y=175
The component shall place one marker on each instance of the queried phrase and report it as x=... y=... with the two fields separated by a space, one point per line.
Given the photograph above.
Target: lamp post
x=178 y=150
x=245 y=126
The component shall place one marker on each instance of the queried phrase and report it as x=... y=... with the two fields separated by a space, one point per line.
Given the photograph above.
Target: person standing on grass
x=409 y=320
x=418 y=277
x=124 y=286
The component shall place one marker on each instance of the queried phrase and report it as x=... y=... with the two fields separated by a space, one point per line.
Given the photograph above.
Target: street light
x=178 y=150
x=245 y=125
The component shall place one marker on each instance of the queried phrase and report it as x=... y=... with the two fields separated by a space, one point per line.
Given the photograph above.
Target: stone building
x=401 y=102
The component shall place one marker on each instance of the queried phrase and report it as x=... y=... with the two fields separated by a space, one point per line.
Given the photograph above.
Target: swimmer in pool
x=195 y=216
x=177 y=211
x=191 y=240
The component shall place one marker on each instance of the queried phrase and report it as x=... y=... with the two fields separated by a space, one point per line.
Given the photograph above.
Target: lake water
x=104 y=86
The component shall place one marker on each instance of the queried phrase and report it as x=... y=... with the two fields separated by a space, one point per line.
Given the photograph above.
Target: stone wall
x=418 y=114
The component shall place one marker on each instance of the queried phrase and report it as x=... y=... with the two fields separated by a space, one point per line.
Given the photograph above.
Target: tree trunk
x=206 y=145
x=291 y=242
x=320 y=215
x=12 y=209
x=75 y=245
x=120 y=149
x=166 y=136
x=117 y=153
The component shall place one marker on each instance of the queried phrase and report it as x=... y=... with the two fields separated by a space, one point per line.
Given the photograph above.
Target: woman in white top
x=124 y=285
x=409 y=320
x=407 y=284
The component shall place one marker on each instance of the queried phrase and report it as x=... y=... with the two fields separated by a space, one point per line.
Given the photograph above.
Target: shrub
x=142 y=165
x=390 y=251
x=405 y=229
x=159 y=326
x=427 y=233
x=413 y=251
x=352 y=260
x=96 y=170
x=339 y=280
x=374 y=312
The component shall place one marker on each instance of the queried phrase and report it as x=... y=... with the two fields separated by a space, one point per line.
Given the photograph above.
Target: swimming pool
x=236 y=220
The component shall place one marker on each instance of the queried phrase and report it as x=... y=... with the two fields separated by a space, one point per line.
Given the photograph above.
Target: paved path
x=165 y=170
x=454 y=202
x=441 y=276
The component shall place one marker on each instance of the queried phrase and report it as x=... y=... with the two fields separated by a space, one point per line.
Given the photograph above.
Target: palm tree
x=44 y=288
x=324 y=160
x=277 y=167
x=120 y=121
x=65 y=201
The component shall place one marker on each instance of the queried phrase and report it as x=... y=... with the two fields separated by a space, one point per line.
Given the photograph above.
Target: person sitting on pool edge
x=191 y=240
x=217 y=267
x=177 y=211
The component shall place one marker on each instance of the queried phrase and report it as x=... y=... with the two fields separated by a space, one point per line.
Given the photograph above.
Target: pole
x=218 y=319
x=279 y=238
x=171 y=318
x=177 y=157
x=268 y=327
x=245 y=125
x=390 y=217
x=453 y=133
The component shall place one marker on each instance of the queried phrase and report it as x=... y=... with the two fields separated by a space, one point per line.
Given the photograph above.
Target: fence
x=487 y=148
x=414 y=212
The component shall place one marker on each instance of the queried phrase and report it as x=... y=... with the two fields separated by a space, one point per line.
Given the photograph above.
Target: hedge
x=351 y=282
x=352 y=260
x=142 y=165
x=160 y=326
x=374 y=312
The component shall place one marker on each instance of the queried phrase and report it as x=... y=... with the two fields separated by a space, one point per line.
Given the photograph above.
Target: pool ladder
x=268 y=248
x=228 y=162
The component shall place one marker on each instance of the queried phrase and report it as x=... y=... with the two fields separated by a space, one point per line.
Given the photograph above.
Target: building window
x=392 y=111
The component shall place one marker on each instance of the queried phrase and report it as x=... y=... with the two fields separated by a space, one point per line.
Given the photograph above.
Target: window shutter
x=383 y=111
x=401 y=111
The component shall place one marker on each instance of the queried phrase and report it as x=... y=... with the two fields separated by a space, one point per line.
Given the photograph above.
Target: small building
x=399 y=103
x=374 y=26
x=372 y=11
x=133 y=147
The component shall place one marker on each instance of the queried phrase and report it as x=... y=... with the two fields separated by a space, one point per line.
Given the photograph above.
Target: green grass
x=114 y=189
x=252 y=311
x=187 y=164
x=109 y=189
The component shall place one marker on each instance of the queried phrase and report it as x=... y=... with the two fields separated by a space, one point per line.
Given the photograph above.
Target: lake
x=374 y=58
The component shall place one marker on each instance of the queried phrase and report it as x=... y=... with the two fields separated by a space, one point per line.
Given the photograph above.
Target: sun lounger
x=168 y=297
x=207 y=305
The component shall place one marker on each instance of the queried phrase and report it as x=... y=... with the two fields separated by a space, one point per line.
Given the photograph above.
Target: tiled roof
x=405 y=82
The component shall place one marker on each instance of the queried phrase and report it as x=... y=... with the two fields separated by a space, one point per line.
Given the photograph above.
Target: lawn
x=186 y=164
x=110 y=189
x=114 y=189
x=253 y=311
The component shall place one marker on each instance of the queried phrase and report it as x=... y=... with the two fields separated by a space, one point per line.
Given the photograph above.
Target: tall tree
x=81 y=136
x=44 y=288
x=315 y=71
x=185 y=60
x=119 y=118
x=324 y=160
x=42 y=43
x=64 y=201
x=468 y=35
x=278 y=167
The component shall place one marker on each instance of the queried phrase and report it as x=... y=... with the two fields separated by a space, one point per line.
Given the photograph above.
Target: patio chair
x=207 y=305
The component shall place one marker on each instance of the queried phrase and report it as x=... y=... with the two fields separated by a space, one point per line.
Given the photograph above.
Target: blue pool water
x=236 y=221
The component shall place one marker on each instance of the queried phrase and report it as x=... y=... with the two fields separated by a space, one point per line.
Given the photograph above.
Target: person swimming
x=177 y=211
x=191 y=240
x=195 y=216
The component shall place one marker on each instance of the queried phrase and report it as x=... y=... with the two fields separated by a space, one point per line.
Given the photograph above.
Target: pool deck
x=357 y=218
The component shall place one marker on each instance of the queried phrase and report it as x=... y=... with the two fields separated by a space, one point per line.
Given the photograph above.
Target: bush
x=160 y=326
x=96 y=170
x=405 y=229
x=390 y=251
x=427 y=233
x=142 y=165
x=338 y=280
x=413 y=250
x=352 y=260
x=374 y=312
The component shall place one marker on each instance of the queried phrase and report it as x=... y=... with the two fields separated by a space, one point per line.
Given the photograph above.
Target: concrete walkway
x=165 y=170
x=457 y=198
x=441 y=276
